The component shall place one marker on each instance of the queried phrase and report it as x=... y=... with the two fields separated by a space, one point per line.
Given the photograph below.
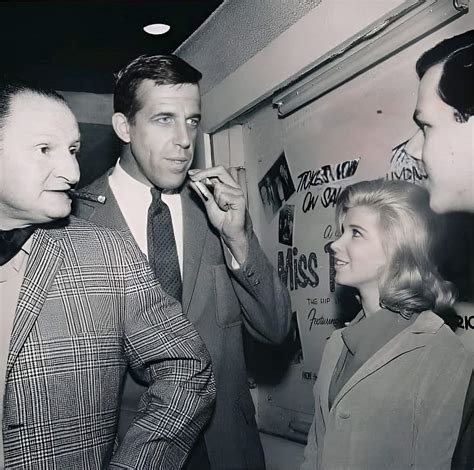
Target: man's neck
x=129 y=165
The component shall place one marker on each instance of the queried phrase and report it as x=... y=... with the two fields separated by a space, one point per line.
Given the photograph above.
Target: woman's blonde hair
x=411 y=282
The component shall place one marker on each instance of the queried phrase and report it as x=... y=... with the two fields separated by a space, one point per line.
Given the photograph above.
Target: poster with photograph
x=286 y=224
x=276 y=187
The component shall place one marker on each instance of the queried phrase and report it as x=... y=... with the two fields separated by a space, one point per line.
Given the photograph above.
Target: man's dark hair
x=456 y=85
x=161 y=69
x=12 y=86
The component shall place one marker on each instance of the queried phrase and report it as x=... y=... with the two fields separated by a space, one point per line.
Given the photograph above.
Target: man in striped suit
x=78 y=305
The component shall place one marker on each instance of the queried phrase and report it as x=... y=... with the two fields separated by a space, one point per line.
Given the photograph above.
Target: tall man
x=227 y=282
x=79 y=303
x=445 y=142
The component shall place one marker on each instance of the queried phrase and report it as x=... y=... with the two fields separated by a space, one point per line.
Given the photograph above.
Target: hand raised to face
x=225 y=205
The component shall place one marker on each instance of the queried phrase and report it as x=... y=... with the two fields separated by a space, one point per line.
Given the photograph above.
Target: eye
x=74 y=150
x=356 y=233
x=194 y=123
x=164 y=119
x=44 y=149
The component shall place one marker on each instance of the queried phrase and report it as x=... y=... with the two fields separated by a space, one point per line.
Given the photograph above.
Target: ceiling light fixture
x=156 y=28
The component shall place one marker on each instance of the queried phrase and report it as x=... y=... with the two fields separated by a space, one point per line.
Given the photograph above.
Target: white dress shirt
x=134 y=199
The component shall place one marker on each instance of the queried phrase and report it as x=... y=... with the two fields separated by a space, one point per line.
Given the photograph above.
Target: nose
x=182 y=137
x=69 y=169
x=335 y=246
x=414 y=147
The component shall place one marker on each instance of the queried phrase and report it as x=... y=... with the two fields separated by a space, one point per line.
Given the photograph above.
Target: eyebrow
x=174 y=114
x=358 y=227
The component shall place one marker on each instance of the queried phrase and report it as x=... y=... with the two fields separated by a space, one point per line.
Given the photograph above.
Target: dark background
x=78 y=45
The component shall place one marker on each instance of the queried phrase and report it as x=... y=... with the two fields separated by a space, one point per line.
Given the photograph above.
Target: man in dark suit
x=78 y=304
x=445 y=142
x=227 y=281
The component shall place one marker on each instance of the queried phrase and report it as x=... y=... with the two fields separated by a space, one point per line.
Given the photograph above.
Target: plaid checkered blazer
x=88 y=306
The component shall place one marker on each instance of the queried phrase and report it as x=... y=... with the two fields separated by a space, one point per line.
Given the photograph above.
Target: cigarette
x=87 y=196
x=202 y=188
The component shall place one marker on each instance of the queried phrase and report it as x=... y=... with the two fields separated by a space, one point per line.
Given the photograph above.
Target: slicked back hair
x=161 y=69
x=456 y=85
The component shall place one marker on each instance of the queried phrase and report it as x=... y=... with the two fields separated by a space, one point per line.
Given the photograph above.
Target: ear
x=121 y=127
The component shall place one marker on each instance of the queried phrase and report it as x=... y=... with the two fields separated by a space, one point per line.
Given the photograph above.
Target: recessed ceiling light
x=156 y=28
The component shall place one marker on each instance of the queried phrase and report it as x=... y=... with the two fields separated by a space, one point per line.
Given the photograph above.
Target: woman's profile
x=391 y=385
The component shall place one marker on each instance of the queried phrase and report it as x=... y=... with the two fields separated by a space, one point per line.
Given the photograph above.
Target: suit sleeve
x=265 y=301
x=165 y=350
x=446 y=372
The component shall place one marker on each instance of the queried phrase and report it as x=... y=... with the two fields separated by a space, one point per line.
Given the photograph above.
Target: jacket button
x=344 y=415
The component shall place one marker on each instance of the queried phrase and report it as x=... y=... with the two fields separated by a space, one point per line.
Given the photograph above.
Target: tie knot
x=157 y=204
x=156 y=194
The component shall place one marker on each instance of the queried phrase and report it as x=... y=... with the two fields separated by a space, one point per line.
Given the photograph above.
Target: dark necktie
x=163 y=259
x=162 y=252
x=11 y=242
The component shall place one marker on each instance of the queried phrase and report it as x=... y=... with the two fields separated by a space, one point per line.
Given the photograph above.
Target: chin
x=171 y=184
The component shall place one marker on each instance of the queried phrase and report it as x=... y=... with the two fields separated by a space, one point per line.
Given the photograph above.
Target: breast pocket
x=228 y=312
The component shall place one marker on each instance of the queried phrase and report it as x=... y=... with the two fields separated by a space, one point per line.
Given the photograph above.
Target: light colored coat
x=88 y=307
x=401 y=410
x=219 y=302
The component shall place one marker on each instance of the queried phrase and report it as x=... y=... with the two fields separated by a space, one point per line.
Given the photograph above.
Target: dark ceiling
x=78 y=45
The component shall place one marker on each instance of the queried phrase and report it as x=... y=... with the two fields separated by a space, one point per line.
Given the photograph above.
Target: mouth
x=179 y=164
x=339 y=263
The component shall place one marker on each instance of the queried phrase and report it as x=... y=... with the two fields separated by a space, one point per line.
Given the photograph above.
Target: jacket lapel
x=43 y=264
x=335 y=347
x=414 y=337
x=109 y=213
x=195 y=229
x=331 y=356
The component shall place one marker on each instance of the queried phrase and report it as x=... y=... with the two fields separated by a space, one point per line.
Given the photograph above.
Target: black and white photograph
x=237 y=235
x=285 y=224
x=276 y=186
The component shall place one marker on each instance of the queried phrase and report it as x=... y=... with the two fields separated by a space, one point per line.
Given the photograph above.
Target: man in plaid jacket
x=79 y=303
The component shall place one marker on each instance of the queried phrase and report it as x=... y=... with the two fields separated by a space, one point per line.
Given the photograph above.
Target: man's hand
x=225 y=205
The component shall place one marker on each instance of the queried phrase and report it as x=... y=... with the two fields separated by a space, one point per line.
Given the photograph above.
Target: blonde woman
x=392 y=384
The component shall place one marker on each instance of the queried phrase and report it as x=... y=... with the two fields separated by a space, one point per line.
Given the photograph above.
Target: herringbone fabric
x=162 y=252
x=89 y=306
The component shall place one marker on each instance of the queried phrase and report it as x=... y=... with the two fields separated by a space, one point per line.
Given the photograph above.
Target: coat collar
x=415 y=336
x=44 y=261
x=108 y=213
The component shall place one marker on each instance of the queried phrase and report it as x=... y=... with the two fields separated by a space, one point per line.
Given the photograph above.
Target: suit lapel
x=414 y=337
x=195 y=229
x=335 y=347
x=43 y=264
x=109 y=213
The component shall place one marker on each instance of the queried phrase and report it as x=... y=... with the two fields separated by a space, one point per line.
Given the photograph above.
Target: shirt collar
x=377 y=328
x=135 y=189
